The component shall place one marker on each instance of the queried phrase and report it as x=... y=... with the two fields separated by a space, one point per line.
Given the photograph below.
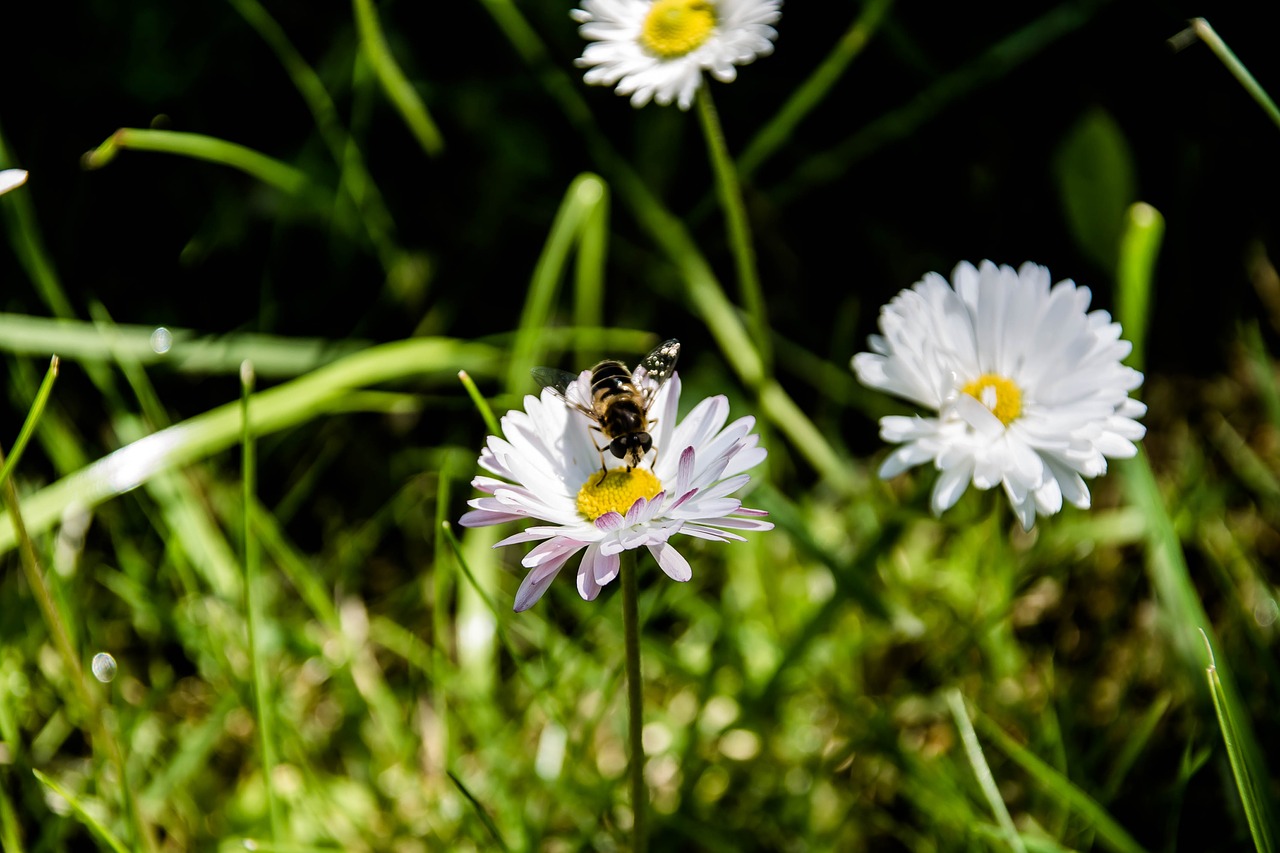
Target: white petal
x=672 y=562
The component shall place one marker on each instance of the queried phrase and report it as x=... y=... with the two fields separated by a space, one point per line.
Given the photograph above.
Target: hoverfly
x=620 y=399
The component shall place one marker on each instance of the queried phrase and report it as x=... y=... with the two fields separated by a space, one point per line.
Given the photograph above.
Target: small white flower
x=659 y=48
x=12 y=179
x=549 y=470
x=1027 y=384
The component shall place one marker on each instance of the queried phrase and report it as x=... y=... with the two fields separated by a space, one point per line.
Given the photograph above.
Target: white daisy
x=12 y=179
x=659 y=48
x=1027 y=385
x=548 y=468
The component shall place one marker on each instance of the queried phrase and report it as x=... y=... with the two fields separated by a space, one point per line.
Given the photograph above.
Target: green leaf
x=1094 y=171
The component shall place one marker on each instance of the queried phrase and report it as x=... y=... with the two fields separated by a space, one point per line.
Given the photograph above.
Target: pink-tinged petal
x=672 y=562
x=484 y=518
x=552 y=551
x=588 y=587
x=610 y=521
x=699 y=531
x=636 y=512
x=532 y=588
x=684 y=474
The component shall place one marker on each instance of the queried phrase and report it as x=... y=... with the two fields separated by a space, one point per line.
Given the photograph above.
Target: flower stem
x=730 y=192
x=635 y=702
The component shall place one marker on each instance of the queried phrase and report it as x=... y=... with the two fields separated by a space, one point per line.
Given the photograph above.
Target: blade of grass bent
x=398 y=88
x=982 y=771
x=1245 y=784
x=1201 y=29
x=218 y=429
x=809 y=94
x=585 y=194
x=1110 y=834
x=199 y=146
x=1183 y=612
x=91 y=823
x=33 y=418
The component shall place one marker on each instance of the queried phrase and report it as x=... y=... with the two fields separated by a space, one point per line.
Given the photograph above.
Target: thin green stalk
x=635 y=703
x=982 y=770
x=33 y=418
x=1201 y=29
x=201 y=147
x=95 y=826
x=103 y=739
x=1239 y=766
x=398 y=88
x=738 y=225
x=580 y=201
x=481 y=404
x=809 y=94
x=252 y=607
x=1111 y=834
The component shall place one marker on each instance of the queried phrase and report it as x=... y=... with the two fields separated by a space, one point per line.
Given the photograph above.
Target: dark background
x=166 y=240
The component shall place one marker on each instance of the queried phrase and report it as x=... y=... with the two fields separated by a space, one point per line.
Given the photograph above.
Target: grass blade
x=198 y=146
x=1110 y=834
x=480 y=812
x=398 y=88
x=33 y=418
x=86 y=817
x=1253 y=811
x=986 y=781
x=1201 y=29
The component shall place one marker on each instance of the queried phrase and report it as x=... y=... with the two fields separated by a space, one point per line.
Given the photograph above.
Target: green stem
x=635 y=702
x=973 y=750
x=729 y=191
x=252 y=571
x=1200 y=28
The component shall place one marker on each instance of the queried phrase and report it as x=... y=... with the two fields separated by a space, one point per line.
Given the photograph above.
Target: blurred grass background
x=419 y=189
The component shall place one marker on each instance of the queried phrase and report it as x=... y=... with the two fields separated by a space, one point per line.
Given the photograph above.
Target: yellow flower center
x=676 y=27
x=998 y=394
x=615 y=491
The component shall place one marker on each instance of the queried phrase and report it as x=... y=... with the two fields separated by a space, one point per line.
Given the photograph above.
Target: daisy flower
x=1026 y=382
x=659 y=48
x=547 y=467
x=11 y=179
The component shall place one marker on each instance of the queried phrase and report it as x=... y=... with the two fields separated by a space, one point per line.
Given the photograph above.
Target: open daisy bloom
x=1027 y=385
x=548 y=468
x=658 y=49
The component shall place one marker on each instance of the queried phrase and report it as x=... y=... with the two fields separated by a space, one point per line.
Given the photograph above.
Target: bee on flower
x=676 y=479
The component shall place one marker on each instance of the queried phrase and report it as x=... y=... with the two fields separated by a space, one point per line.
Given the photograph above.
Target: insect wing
x=656 y=368
x=555 y=379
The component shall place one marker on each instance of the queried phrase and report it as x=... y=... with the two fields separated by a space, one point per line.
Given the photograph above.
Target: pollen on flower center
x=676 y=27
x=998 y=394
x=616 y=491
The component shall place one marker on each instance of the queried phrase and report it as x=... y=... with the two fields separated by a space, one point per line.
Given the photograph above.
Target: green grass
x=313 y=656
